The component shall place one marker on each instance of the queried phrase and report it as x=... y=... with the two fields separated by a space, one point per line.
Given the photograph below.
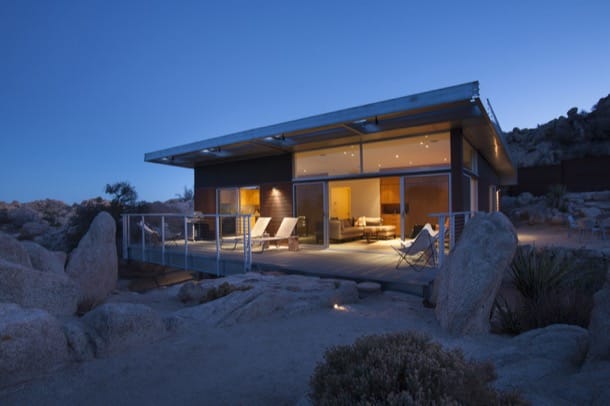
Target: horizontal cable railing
x=143 y=231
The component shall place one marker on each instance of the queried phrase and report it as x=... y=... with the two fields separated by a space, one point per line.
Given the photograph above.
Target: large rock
x=94 y=263
x=12 y=250
x=115 y=327
x=31 y=343
x=538 y=354
x=43 y=259
x=469 y=280
x=261 y=296
x=53 y=292
x=32 y=229
x=599 y=327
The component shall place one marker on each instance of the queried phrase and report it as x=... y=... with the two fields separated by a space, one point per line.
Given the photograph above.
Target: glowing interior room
x=390 y=163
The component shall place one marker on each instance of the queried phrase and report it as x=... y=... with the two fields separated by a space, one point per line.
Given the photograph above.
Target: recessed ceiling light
x=396 y=156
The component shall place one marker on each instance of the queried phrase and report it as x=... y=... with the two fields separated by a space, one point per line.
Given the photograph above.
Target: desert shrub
x=556 y=197
x=82 y=218
x=222 y=290
x=553 y=289
x=403 y=369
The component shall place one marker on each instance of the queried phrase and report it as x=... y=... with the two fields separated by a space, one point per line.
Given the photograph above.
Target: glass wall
x=327 y=162
x=407 y=153
x=424 y=195
x=228 y=203
x=309 y=204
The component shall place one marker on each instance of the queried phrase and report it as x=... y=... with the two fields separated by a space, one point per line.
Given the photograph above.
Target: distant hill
x=578 y=135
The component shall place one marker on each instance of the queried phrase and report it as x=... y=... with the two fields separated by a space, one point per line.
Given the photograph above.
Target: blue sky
x=87 y=87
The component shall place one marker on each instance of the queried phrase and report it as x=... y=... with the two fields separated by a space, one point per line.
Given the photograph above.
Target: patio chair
x=421 y=247
x=258 y=230
x=284 y=232
x=172 y=238
x=151 y=235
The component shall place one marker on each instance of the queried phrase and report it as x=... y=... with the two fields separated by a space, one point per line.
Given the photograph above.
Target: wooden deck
x=358 y=261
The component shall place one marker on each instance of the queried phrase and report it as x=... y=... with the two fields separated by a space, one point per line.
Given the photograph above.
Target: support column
x=457 y=183
x=457 y=165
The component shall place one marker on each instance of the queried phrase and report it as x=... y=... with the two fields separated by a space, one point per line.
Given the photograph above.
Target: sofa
x=373 y=227
x=344 y=230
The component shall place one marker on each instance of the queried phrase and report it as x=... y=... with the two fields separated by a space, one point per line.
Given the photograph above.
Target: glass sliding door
x=228 y=203
x=310 y=203
x=424 y=195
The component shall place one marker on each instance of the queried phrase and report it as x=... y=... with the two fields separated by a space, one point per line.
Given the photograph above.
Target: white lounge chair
x=257 y=231
x=413 y=251
x=284 y=232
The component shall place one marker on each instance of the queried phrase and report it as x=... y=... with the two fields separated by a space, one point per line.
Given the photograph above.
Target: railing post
x=441 y=239
x=143 y=236
x=186 y=245
x=217 y=244
x=162 y=240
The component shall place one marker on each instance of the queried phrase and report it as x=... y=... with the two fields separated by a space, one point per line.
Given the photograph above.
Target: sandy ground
x=264 y=362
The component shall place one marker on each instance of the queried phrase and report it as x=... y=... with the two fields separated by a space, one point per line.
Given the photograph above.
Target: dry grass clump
x=403 y=369
x=222 y=290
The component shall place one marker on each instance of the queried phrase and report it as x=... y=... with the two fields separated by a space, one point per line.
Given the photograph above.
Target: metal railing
x=153 y=231
x=456 y=221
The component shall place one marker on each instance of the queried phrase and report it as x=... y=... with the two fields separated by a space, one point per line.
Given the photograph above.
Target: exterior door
x=311 y=207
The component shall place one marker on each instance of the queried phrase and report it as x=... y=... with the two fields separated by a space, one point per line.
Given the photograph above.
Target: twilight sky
x=87 y=87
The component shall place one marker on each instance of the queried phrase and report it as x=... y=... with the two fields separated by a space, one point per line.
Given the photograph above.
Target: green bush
x=553 y=289
x=403 y=369
x=222 y=290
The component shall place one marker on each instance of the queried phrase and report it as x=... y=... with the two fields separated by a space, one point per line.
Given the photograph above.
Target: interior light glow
x=396 y=156
x=339 y=307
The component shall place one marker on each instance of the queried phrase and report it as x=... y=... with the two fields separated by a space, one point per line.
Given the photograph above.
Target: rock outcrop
x=599 y=327
x=576 y=136
x=11 y=250
x=45 y=260
x=30 y=288
x=260 y=296
x=94 y=263
x=539 y=354
x=32 y=343
x=469 y=279
x=115 y=327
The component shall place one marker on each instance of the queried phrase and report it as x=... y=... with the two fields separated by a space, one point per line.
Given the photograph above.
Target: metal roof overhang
x=422 y=113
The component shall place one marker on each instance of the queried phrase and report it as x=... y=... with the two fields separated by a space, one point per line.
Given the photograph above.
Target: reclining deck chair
x=413 y=251
x=257 y=231
x=151 y=236
x=284 y=232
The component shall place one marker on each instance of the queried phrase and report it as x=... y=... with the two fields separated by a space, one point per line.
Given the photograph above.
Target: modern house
x=400 y=160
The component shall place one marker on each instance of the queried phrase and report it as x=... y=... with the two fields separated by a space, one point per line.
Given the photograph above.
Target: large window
x=407 y=153
x=327 y=162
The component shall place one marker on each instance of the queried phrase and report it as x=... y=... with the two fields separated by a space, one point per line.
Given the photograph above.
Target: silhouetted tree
x=124 y=193
x=187 y=195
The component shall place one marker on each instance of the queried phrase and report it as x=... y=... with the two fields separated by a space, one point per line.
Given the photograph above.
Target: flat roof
x=417 y=114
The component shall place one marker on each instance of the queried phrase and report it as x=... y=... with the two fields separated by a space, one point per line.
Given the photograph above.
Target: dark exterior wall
x=245 y=173
x=487 y=178
x=205 y=200
x=578 y=175
x=276 y=202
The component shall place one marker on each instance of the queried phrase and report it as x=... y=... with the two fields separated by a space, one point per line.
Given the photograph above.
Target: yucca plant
x=537 y=273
